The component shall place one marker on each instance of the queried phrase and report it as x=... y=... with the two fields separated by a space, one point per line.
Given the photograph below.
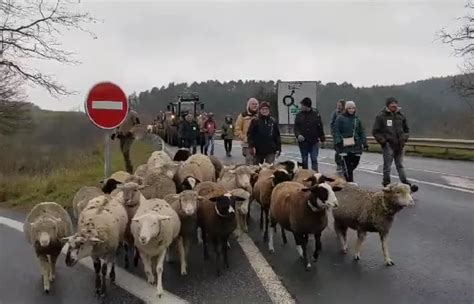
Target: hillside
x=433 y=108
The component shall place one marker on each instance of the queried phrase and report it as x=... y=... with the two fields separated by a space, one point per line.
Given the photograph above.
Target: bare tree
x=30 y=29
x=462 y=41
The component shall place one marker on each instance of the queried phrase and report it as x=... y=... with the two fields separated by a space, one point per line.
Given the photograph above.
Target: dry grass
x=60 y=185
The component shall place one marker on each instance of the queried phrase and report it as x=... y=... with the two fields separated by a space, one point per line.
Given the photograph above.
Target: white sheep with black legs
x=45 y=227
x=155 y=226
x=185 y=204
x=100 y=231
x=369 y=211
x=303 y=211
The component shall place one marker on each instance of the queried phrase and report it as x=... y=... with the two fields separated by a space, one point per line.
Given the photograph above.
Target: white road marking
x=107 y=105
x=125 y=280
x=460 y=181
x=270 y=281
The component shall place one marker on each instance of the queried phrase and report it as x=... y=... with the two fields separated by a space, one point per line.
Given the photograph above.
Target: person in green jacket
x=228 y=134
x=349 y=139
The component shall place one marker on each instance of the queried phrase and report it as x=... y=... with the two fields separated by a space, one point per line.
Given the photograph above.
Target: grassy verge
x=22 y=192
x=431 y=152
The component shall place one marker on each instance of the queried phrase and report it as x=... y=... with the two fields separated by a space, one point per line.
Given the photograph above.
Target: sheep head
x=131 y=193
x=149 y=226
x=81 y=245
x=225 y=204
x=292 y=166
x=243 y=176
x=399 y=195
x=188 y=200
x=280 y=176
x=189 y=183
x=110 y=185
x=319 y=178
x=169 y=169
x=321 y=197
x=45 y=229
x=241 y=206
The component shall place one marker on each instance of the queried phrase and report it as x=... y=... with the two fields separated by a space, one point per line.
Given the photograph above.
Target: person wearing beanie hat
x=338 y=111
x=391 y=131
x=264 y=136
x=309 y=132
x=242 y=124
x=349 y=139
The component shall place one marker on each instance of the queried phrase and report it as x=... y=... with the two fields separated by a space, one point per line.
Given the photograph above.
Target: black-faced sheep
x=181 y=155
x=368 y=211
x=155 y=226
x=185 y=204
x=45 y=227
x=100 y=231
x=302 y=211
x=196 y=169
x=216 y=218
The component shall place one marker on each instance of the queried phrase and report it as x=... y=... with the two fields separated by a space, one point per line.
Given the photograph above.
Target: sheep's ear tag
x=96 y=240
x=163 y=217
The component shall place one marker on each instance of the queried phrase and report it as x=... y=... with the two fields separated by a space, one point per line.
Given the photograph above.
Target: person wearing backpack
x=349 y=139
x=228 y=134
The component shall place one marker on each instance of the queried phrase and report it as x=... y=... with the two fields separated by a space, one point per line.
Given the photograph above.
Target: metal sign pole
x=107 y=156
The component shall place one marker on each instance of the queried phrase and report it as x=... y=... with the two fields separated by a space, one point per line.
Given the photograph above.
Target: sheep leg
x=299 y=242
x=305 y=252
x=97 y=266
x=261 y=218
x=360 y=239
x=341 y=233
x=103 y=288
x=159 y=273
x=318 y=246
x=271 y=247
x=136 y=257
x=217 y=250
x=182 y=256
x=44 y=265
x=386 y=255
x=245 y=226
x=146 y=260
x=225 y=251
x=265 y=234
x=283 y=235
x=204 y=243
x=52 y=263
x=126 y=250
x=112 y=273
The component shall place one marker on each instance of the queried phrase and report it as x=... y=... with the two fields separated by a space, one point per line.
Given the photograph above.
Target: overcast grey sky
x=142 y=44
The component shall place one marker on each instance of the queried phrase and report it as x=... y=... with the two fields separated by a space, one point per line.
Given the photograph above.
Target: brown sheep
x=368 y=211
x=303 y=211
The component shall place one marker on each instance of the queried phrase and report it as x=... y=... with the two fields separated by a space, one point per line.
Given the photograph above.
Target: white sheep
x=82 y=197
x=241 y=209
x=158 y=159
x=141 y=170
x=45 y=227
x=100 y=231
x=157 y=184
x=185 y=204
x=155 y=226
x=196 y=169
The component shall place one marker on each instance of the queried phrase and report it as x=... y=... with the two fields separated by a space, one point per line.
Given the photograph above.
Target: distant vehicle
x=187 y=103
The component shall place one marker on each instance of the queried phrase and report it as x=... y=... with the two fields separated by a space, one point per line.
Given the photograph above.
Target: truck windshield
x=187 y=106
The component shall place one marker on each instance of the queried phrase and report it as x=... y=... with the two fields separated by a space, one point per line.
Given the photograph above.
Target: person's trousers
x=339 y=163
x=125 y=146
x=228 y=145
x=190 y=144
x=307 y=151
x=249 y=158
x=350 y=163
x=388 y=157
x=202 y=141
x=209 y=143
x=260 y=159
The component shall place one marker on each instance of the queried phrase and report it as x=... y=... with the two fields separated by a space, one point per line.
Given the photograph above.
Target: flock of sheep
x=163 y=205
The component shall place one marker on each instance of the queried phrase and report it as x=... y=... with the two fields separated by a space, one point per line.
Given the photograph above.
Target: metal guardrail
x=448 y=144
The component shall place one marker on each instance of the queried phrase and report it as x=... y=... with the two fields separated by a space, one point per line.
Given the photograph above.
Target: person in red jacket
x=210 y=128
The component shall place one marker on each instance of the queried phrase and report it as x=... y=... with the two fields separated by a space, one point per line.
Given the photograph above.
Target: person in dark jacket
x=264 y=136
x=338 y=111
x=391 y=132
x=309 y=132
x=190 y=133
x=349 y=139
x=228 y=134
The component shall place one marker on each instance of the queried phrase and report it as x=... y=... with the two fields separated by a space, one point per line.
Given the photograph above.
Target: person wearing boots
x=125 y=135
x=227 y=131
x=264 y=136
x=391 y=131
x=349 y=140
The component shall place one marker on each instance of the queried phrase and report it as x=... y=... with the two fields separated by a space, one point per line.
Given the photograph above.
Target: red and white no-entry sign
x=106 y=105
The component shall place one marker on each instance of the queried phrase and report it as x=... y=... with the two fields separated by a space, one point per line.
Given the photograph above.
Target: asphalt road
x=431 y=243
